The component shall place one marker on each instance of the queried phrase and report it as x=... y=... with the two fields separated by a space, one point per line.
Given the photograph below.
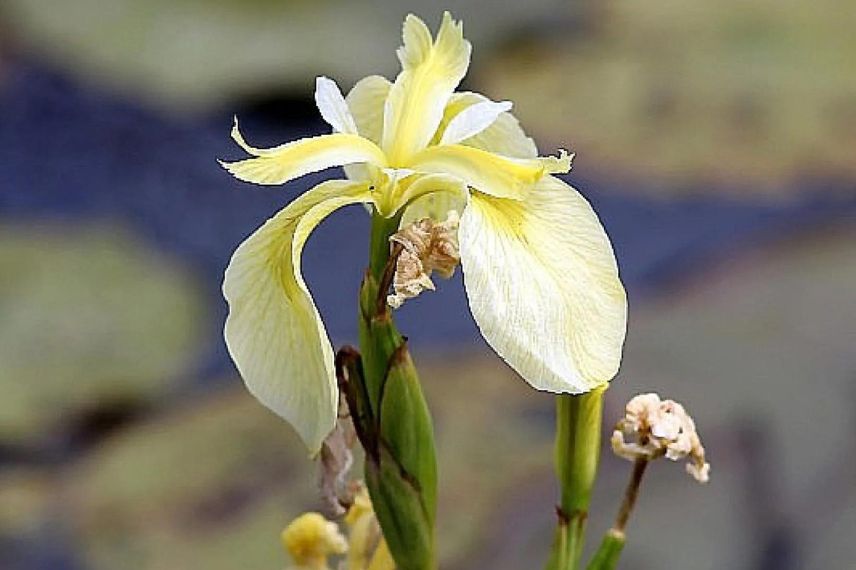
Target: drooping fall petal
x=431 y=70
x=499 y=176
x=280 y=164
x=543 y=286
x=274 y=332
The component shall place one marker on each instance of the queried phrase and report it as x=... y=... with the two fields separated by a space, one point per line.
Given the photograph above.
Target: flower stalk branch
x=630 y=495
x=609 y=551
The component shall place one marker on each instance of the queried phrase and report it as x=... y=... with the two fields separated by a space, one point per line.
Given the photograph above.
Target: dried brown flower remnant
x=336 y=461
x=428 y=246
x=652 y=428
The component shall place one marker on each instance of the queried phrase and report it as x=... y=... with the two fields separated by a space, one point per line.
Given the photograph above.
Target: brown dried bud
x=336 y=460
x=652 y=428
x=427 y=246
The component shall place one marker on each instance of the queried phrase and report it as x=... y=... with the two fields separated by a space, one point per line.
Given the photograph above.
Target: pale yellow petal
x=504 y=136
x=432 y=196
x=274 y=332
x=366 y=101
x=543 y=286
x=332 y=106
x=473 y=120
x=283 y=163
x=431 y=70
x=487 y=172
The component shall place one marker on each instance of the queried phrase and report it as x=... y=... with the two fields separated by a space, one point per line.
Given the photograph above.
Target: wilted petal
x=499 y=176
x=274 y=332
x=283 y=163
x=430 y=72
x=543 y=286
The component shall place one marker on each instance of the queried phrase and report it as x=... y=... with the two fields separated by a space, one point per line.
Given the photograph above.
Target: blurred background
x=717 y=141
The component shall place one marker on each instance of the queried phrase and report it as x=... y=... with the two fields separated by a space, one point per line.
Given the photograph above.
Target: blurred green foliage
x=193 y=55
x=751 y=94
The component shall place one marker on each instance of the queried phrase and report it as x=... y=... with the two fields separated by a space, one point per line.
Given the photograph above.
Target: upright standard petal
x=365 y=101
x=473 y=120
x=543 y=286
x=332 y=106
x=504 y=136
x=499 y=176
x=283 y=163
x=431 y=70
x=274 y=332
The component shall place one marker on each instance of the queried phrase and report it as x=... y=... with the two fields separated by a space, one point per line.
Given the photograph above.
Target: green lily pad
x=88 y=316
x=209 y=485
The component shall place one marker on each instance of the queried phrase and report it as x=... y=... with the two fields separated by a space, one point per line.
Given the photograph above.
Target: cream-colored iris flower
x=539 y=271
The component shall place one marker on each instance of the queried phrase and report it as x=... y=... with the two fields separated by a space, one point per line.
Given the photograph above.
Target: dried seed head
x=652 y=428
x=427 y=246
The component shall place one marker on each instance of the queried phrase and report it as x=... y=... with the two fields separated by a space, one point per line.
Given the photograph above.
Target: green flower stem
x=578 y=428
x=606 y=557
x=401 y=466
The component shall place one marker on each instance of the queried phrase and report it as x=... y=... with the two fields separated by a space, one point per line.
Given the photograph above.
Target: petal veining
x=280 y=164
x=274 y=332
x=543 y=286
x=431 y=70
x=332 y=106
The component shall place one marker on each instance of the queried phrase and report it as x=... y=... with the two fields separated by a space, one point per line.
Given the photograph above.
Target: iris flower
x=539 y=271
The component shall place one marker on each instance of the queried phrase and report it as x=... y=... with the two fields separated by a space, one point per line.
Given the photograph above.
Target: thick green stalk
x=401 y=468
x=578 y=427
